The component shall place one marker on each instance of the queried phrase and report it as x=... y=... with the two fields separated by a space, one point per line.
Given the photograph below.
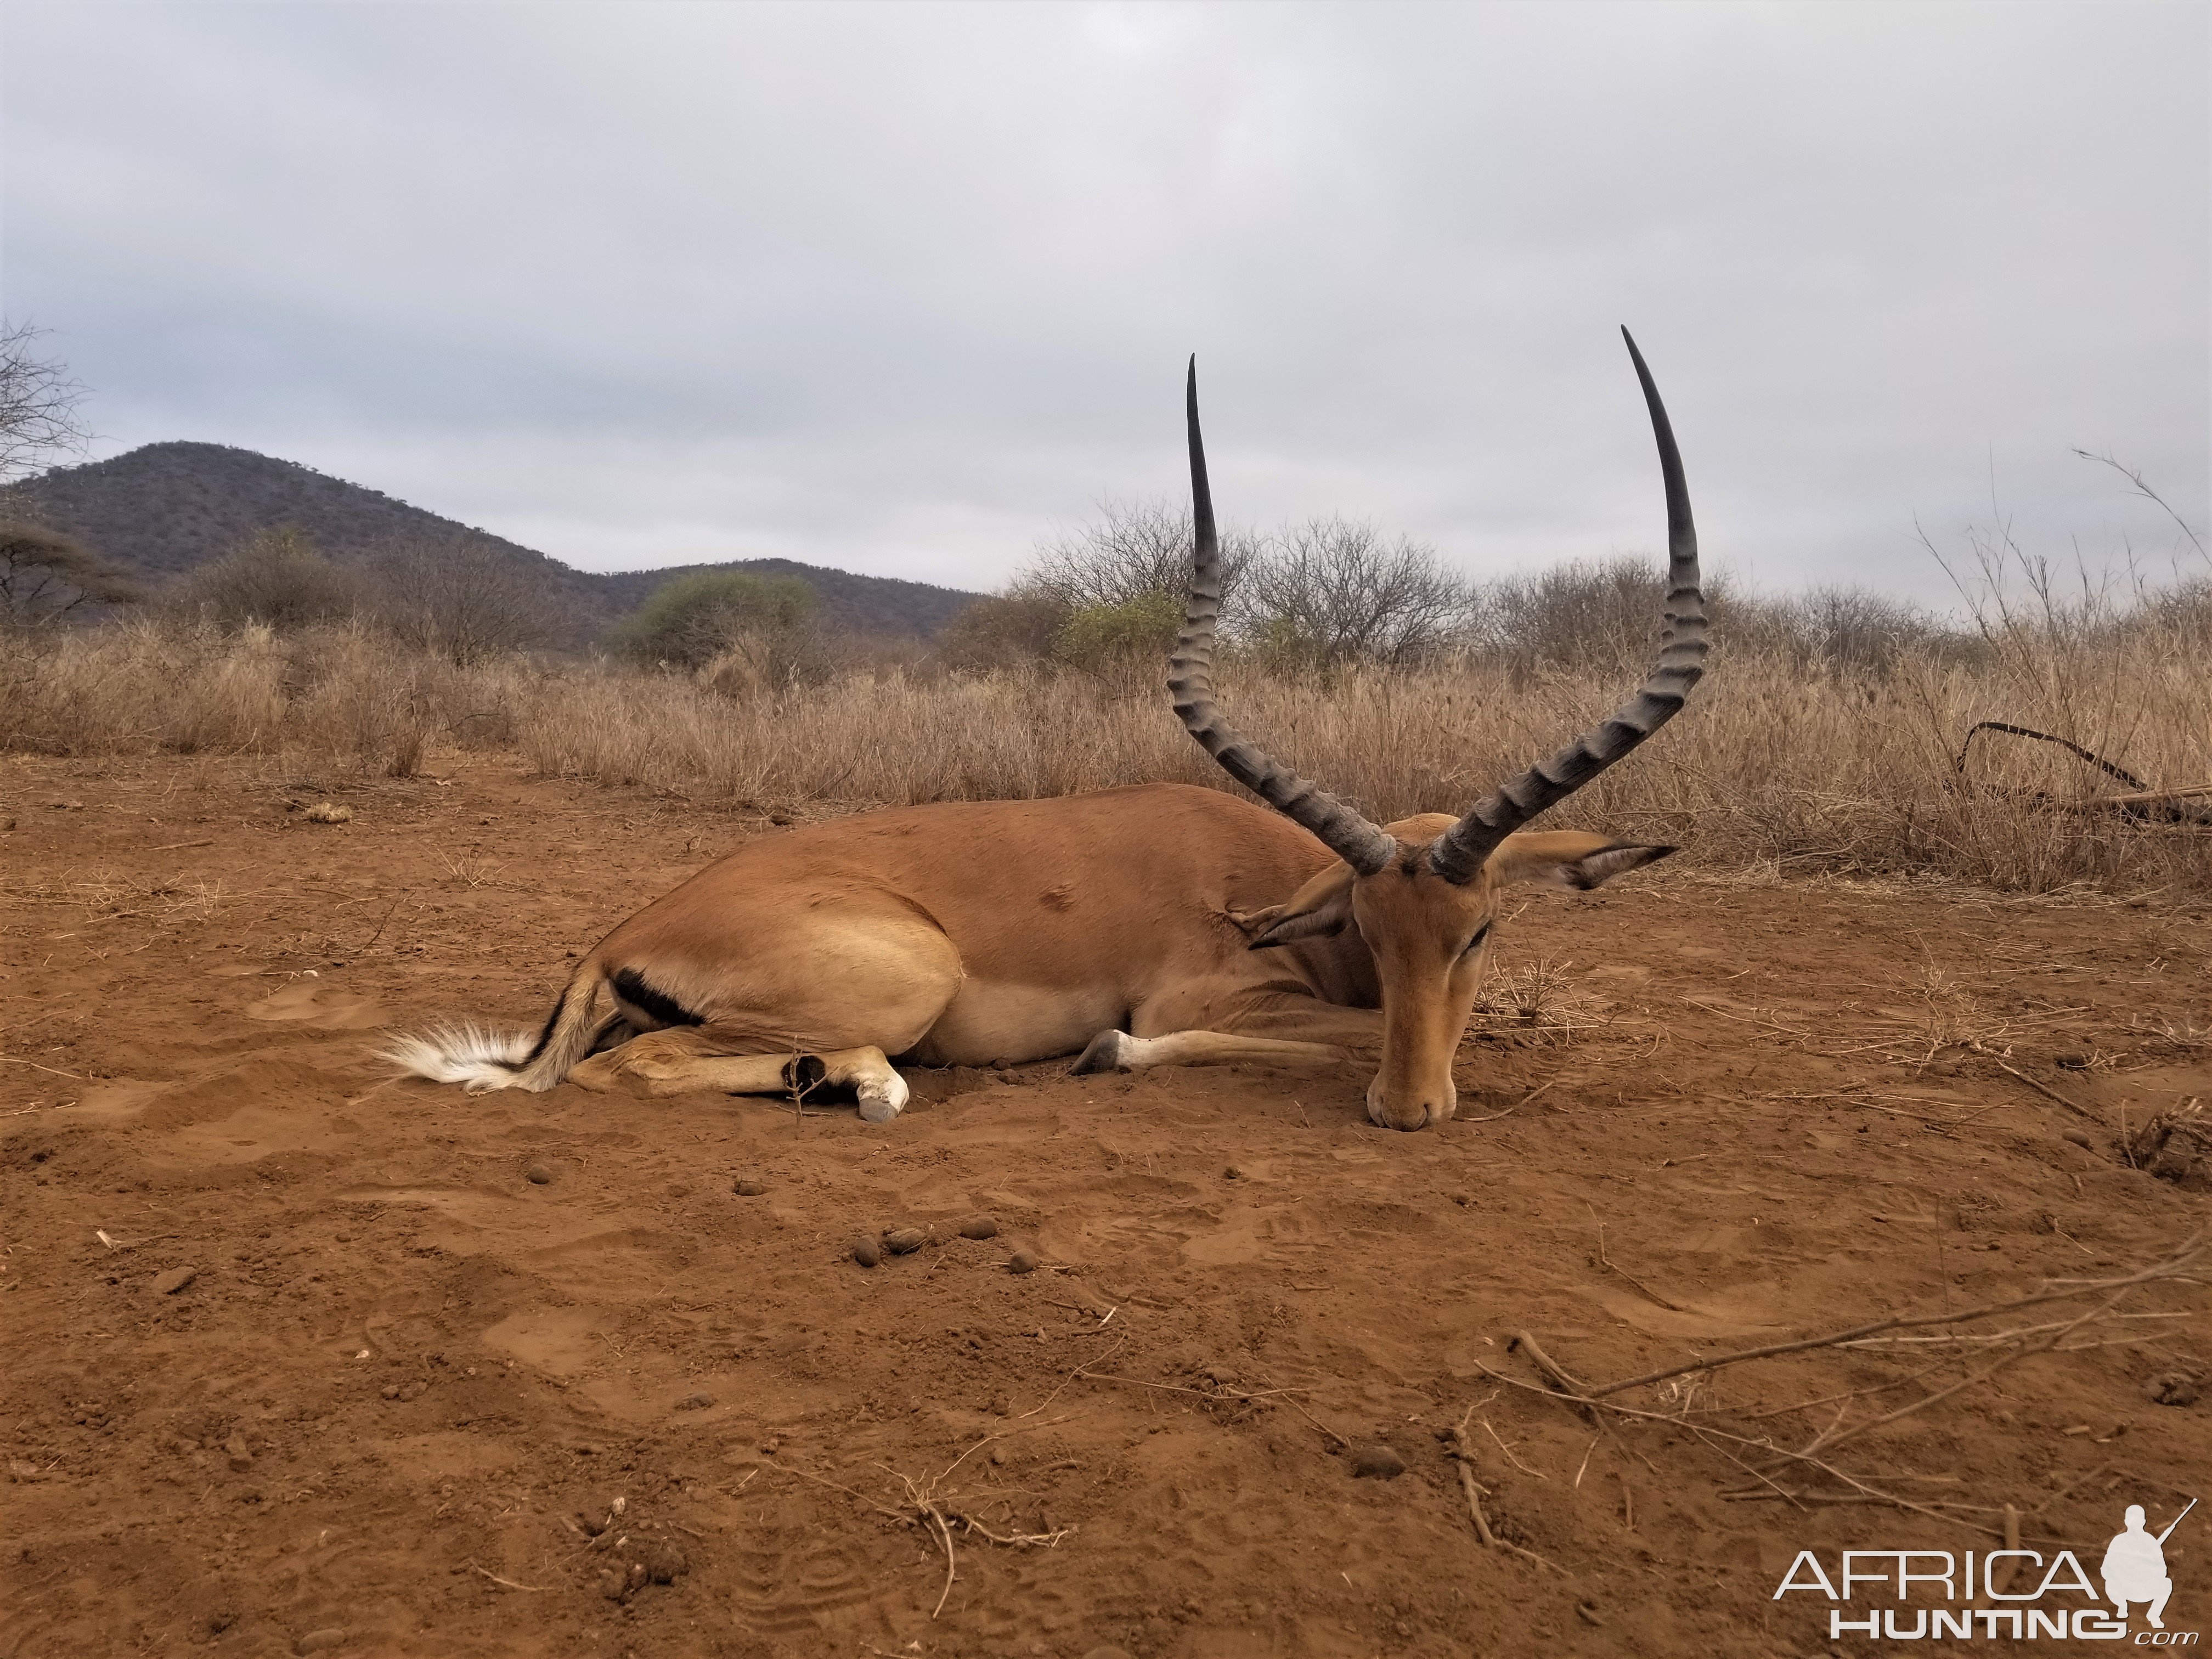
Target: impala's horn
x=1458 y=855
x=1190 y=678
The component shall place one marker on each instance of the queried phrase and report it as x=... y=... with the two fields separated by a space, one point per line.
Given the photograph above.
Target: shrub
x=1017 y=628
x=460 y=597
x=689 y=621
x=278 y=579
x=1138 y=631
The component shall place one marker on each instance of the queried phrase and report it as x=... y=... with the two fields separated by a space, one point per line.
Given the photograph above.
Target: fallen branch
x=1463 y=1454
x=1594 y=1404
x=50 y=1070
x=493 y=1577
x=2170 y=1269
x=2047 y=1092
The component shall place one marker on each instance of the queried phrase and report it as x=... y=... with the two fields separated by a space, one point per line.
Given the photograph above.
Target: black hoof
x=1103 y=1055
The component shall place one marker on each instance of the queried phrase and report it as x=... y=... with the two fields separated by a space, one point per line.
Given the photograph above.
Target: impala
x=1157 y=925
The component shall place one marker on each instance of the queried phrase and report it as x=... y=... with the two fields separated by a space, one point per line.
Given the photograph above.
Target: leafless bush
x=276 y=579
x=1843 y=630
x=1019 y=628
x=1583 y=613
x=461 y=598
x=1333 y=591
x=1131 y=550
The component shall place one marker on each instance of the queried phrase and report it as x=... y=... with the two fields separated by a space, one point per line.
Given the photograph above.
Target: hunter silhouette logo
x=2135 y=1565
x=1996 y=1596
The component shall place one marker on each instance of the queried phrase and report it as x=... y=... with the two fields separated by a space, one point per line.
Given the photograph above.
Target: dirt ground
x=534 y=1375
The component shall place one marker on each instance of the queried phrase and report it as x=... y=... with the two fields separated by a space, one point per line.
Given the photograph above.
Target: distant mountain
x=165 y=509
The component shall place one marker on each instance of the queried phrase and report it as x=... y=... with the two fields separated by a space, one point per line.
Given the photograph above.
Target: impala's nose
x=1411 y=1108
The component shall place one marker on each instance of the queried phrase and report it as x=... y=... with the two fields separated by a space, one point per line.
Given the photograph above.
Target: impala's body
x=1158 y=925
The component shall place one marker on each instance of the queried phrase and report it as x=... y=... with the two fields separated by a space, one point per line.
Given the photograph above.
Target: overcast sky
x=901 y=289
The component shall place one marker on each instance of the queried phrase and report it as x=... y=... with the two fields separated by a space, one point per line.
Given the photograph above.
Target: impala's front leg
x=1117 y=1051
x=1203 y=1025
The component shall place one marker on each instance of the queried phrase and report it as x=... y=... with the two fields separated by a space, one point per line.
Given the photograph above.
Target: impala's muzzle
x=1414 y=1109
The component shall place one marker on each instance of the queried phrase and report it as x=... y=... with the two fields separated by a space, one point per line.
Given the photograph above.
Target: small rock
x=391 y=1391
x=749 y=1188
x=1232 y=1173
x=316 y=1640
x=1023 y=1260
x=1589 y=1614
x=1376 y=1463
x=539 y=1174
x=175 y=1280
x=695 y=1402
x=866 y=1251
x=2172 y=1389
x=2079 y=1136
x=593 y=1524
x=620 y=1506
x=905 y=1240
x=979 y=1226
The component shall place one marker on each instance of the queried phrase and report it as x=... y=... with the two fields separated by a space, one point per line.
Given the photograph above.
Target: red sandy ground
x=407 y=1385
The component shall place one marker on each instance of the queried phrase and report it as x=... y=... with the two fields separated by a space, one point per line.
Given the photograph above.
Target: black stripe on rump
x=630 y=987
x=546 y=1036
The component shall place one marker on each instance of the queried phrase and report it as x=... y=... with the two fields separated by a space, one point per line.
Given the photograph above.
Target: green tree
x=688 y=621
x=1137 y=630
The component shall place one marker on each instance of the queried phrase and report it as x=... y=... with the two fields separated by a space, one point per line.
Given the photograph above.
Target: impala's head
x=1424 y=892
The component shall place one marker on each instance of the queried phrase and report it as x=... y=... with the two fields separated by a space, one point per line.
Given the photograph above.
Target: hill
x=165 y=509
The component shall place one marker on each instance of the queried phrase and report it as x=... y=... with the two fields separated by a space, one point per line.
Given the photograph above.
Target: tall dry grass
x=1780 y=763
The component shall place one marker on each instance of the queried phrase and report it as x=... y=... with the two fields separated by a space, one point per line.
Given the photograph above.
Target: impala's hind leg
x=704 y=1057
x=823 y=994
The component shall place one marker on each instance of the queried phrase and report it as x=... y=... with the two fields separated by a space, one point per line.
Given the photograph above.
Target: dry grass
x=1777 y=763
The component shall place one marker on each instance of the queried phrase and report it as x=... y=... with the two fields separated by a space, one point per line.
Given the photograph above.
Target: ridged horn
x=1344 y=831
x=1458 y=855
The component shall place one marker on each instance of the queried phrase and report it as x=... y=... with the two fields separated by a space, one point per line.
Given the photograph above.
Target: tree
x=688 y=621
x=45 y=576
x=1012 y=630
x=460 y=597
x=1138 y=632
x=38 y=406
x=1332 y=591
x=277 y=578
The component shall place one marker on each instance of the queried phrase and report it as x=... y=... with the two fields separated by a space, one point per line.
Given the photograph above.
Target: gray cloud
x=900 y=289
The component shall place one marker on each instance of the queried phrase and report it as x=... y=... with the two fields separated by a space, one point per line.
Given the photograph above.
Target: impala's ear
x=1317 y=910
x=1569 y=858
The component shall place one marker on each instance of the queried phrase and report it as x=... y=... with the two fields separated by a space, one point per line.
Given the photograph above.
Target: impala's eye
x=1475 y=943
